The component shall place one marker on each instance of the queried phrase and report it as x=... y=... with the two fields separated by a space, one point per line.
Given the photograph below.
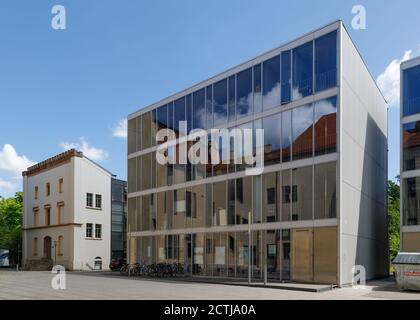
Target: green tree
x=393 y=218
x=11 y=210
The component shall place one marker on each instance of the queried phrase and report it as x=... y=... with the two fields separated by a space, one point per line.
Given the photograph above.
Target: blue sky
x=64 y=88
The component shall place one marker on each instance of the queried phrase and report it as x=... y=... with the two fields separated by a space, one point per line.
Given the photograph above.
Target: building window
x=231 y=200
x=220 y=101
x=269 y=206
x=60 y=213
x=243 y=205
x=98 y=263
x=60 y=185
x=179 y=115
x=60 y=246
x=411 y=92
x=303 y=120
x=48 y=216
x=326 y=62
x=209 y=106
x=286 y=136
x=199 y=213
x=98 y=201
x=272 y=133
x=35 y=212
x=35 y=247
x=271 y=83
x=302 y=71
x=162 y=118
x=132 y=135
x=188 y=112
x=290 y=195
x=271 y=196
x=244 y=93
x=89 y=200
x=232 y=98
x=219 y=204
x=411 y=146
x=325 y=126
x=199 y=109
x=88 y=230
x=36 y=193
x=257 y=88
x=302 y=194
x=47 y=189
x=98 y=231
x=411 y=203
x=146 y=129
x=325 y=191
x=286 y=76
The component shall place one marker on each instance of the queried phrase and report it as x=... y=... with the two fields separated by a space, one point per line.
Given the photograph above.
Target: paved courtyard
x=37 y=285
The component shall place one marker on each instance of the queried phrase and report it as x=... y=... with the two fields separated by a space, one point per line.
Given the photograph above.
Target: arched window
x=98 y=263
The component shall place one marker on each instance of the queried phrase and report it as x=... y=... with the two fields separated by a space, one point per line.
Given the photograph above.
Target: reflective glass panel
x=286 y=76
x=303 y=118
x=302 y=71
x=325 y=191
x=272 y=139
x=411 y=146
x=220 y=103
x=244 y=93
x=326 y=126
x=302 y=194
x=411 y=201
x=199 y=109
x=219 y=204
x=271 y=92
x=411 y=91
x=326 y=61
x=257 y=89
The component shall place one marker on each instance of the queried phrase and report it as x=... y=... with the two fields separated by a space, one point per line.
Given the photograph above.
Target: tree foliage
x=393 y=218
x=11 y=210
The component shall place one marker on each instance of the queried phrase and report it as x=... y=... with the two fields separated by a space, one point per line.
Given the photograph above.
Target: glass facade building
x=200 y=215
x=410 y=155
x=118 y=219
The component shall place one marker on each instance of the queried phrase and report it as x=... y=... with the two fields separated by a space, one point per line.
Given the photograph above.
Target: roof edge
x=172 y=96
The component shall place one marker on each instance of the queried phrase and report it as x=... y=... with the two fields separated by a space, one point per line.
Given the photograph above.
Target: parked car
x=116 y=264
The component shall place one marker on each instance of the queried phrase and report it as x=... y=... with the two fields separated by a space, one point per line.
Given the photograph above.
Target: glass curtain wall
x=411 y=146
x=411 y=92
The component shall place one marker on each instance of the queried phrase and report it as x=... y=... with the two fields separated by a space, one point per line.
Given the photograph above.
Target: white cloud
x=12 y=163
x=120 y=131
x=8 y=188
x=89 y=151
x=389 y=80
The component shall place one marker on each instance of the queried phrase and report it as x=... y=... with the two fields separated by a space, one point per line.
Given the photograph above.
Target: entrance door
x=47 y=248
x=302 y=257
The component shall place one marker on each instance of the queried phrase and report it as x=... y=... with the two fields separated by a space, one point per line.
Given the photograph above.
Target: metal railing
x=326 y=80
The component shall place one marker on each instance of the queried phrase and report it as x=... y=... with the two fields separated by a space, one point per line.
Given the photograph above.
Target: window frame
x=89 y=230
x=60 y=185
x=98 y=198
x=98 y=231
x=89 y=204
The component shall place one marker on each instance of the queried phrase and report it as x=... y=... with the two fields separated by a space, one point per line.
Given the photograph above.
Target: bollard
x=265 y=274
